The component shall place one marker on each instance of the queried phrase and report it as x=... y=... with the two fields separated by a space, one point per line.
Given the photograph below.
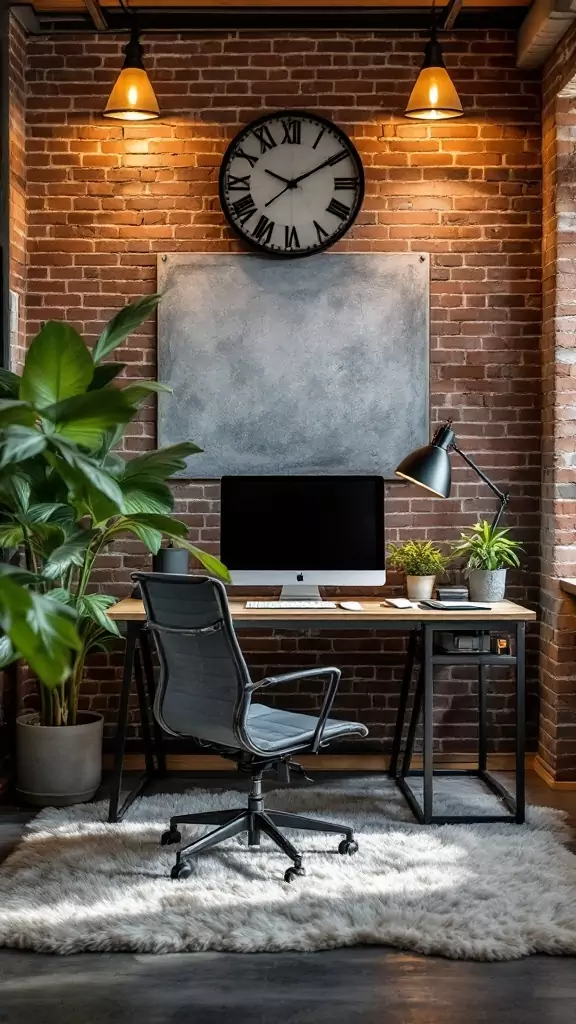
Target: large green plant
x=37 y=624
x=65 y=496
x=487 y=547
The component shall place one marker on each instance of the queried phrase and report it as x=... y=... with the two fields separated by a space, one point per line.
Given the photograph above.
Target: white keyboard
x=290 y=604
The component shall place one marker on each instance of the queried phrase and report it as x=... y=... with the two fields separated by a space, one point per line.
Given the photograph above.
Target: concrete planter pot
x=59 y=765
x=420 y=588
x=487 y=585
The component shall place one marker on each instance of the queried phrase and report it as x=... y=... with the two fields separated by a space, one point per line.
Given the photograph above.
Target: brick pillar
x=557 y=741
x=17 y=158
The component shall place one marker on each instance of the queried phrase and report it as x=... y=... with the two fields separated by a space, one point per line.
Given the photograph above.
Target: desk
x=420 y=623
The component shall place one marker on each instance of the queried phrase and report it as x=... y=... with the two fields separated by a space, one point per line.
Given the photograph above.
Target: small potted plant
x=489 y=552
x=422 y=562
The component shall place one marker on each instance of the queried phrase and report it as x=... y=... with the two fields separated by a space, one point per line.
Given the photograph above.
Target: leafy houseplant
x=422 y=561
x=65 y=496
x=489 y=552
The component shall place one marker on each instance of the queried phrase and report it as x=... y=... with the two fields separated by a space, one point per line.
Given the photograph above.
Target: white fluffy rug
x=486 y=892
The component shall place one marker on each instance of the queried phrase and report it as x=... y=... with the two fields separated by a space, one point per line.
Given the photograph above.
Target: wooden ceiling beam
x=451 y=12
x=96 y=13
x=53 y=6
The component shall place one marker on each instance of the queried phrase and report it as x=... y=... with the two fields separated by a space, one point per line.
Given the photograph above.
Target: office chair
x=205 y=691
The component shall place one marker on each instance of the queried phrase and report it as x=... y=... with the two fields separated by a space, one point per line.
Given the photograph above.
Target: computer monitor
x=303 y=531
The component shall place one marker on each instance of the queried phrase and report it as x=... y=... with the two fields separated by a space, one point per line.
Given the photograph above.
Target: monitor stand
x=300 y=592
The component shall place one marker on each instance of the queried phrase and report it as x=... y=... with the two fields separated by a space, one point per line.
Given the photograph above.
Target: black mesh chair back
x=203 y=679
x=205 y=692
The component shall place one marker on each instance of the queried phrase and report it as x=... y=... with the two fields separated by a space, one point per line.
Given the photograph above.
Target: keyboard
x=290 y=604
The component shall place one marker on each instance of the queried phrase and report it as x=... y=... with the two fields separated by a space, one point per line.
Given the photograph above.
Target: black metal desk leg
x=413 y=723
x=428 y=750
x=132 y=631
x=144 y=708
x=403 y=704
x=151 y=691
x=482 y=718
x=520 y=722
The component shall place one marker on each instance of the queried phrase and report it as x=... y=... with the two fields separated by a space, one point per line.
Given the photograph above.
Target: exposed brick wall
x=17 y=157
x=557 y=744
x=104 y=199
x=17 y=283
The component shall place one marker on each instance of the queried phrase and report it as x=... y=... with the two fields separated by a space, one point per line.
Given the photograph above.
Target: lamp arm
x=503 y=498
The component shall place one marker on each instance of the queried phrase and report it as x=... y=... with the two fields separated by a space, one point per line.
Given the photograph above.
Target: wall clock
x=291 y=183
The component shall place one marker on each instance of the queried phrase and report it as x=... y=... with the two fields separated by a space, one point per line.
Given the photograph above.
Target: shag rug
x=483 y=892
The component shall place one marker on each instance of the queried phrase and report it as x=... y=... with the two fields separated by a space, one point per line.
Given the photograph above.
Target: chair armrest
x=310 y=673
x=290 y=677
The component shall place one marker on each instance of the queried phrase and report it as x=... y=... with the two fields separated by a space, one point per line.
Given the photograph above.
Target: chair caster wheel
x=348 y=846
x=181 y=870
x=293 y=873
x=170 y=837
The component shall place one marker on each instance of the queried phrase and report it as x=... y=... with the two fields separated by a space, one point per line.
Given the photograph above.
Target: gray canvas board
x=305 y=366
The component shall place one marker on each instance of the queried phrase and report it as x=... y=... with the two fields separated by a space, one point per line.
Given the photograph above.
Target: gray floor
x=370 y=985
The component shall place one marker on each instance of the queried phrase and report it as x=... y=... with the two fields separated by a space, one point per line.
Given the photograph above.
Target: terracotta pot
x=420 y=588
x=58 y=765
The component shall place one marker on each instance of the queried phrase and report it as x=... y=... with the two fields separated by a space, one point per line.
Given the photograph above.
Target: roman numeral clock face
x=291 y=184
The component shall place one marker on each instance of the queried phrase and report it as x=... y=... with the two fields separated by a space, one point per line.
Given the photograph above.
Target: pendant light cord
x=134 y=29
x=132 y=16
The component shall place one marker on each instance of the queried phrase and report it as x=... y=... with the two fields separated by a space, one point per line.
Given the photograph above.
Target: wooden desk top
x=133 y=610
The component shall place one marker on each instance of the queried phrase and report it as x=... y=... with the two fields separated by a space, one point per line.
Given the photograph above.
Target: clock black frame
x=342 y=230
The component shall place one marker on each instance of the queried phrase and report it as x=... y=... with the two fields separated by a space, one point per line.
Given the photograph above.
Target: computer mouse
x=351 y=606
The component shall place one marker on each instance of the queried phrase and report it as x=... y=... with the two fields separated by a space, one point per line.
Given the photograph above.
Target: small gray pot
x=58 y=765
x=488 y=585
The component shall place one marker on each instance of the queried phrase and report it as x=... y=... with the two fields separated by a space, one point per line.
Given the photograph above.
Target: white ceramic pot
x=420 y=588
x=59 y=765
x=487 y=585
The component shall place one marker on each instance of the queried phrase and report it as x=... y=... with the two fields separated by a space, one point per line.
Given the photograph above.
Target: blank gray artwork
x=305 y=366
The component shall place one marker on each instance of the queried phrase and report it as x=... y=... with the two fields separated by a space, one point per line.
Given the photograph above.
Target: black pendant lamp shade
x=429 y=467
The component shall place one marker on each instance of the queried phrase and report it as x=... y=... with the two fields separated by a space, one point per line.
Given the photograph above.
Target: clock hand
x=296 y=181
x=314 y=169
x=278 y=194
x=286 y=181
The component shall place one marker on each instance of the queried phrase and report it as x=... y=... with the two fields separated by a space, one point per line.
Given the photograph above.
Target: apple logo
x=300 y=577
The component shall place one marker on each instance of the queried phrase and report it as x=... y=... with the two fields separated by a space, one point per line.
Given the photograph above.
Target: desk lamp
x=429 y=467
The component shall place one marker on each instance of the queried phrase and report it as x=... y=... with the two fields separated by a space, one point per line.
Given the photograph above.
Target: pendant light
x=132 y=97
x=433 y=97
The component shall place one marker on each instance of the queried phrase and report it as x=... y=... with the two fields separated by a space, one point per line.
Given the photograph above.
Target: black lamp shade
x=429 y=467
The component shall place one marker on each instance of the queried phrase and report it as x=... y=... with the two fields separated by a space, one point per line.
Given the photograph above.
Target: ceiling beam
x=451 y=13
x=274 y=16
x=164 y=6
x=96 y=13
x=543 y=27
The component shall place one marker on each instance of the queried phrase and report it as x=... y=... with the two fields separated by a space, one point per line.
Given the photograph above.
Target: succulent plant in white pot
x=489 y=552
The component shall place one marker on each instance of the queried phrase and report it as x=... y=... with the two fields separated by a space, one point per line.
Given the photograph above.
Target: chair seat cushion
x=272 y=730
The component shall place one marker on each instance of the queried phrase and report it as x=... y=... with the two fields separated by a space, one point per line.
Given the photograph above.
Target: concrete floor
x=342 y=986
x=372 y=985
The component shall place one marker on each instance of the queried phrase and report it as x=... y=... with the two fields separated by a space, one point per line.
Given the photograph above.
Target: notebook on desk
x=456 y=606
